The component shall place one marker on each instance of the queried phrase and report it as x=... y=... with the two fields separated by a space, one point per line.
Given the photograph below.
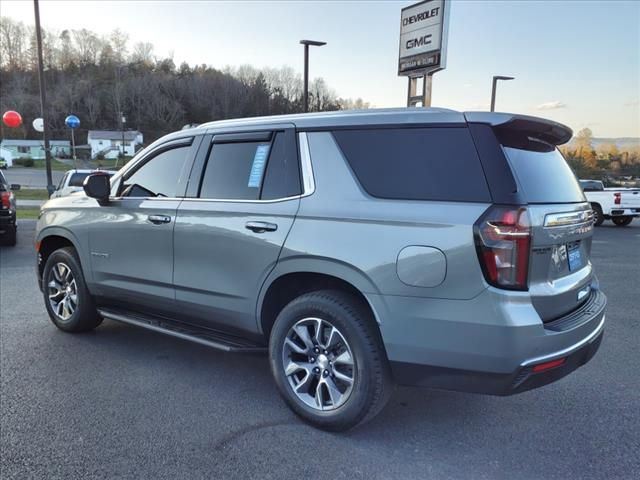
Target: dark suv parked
x=7 y=212
x=418 y=246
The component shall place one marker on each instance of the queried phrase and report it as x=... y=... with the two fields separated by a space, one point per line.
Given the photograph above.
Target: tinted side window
x=159 y=176
x=235 y=170
x=416 y=163
x=282 y=178
x=252 y=170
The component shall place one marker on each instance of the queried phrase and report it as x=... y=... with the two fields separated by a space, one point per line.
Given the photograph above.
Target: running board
x=203 y=336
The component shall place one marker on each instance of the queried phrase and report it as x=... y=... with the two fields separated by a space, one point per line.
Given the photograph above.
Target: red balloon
x=12 y=119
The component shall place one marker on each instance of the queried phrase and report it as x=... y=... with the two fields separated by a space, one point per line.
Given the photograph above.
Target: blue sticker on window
x=257 y=169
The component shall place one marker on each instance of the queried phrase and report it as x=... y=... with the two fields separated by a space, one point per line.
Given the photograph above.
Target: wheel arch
x=53 y=238
x=295 y=277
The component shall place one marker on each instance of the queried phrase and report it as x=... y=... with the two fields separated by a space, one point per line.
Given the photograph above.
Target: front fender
x=80 y=243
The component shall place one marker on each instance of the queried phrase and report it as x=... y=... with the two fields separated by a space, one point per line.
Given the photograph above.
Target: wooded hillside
x=96 y=76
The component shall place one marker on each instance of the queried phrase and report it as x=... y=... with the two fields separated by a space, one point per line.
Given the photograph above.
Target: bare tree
x=142 y=53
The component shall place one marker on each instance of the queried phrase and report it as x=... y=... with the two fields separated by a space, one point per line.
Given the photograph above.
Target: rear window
x=416 y=163
x=77 y=179
x=591 y=185
x=544 y=176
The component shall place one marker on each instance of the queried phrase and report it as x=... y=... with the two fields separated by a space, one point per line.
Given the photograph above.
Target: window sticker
x=257 y=169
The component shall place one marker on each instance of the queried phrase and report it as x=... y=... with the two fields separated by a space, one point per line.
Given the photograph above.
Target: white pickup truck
x=72 y=181
x=620 y=205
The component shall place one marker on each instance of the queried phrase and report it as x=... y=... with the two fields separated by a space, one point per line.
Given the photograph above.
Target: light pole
x=123 y=120
x=493 y=89
x=43 y=100
x=306 y=44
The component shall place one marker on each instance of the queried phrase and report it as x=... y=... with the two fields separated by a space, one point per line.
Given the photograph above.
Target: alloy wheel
x=62 y=290
x=318 y=364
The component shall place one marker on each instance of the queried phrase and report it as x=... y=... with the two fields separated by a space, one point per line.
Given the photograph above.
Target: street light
x=43 y=100
x=306 y=44
x=493 y=89
x=123 y=120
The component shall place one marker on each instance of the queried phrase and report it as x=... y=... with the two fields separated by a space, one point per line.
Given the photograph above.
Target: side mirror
x=98 y=186
x=15 y=187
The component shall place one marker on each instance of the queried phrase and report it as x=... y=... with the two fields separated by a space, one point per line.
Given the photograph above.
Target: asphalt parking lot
x=121 y=402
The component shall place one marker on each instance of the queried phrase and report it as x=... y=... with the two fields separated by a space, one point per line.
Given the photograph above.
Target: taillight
x=617 y=198
x=5 y=197
x=503 y=240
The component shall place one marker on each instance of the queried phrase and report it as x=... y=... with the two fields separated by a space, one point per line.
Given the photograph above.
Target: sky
x=576 y=62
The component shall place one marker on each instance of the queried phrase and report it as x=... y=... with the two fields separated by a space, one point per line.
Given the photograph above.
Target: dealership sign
x=423 y=38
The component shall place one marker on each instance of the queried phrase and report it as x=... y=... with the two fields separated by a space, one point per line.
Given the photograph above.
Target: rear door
x=230 y=230
x=560 y=270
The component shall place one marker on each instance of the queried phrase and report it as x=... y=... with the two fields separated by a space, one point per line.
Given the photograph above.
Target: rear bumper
x=490 y=344
x=7 y=221
x=624 y=212
x=521 y=380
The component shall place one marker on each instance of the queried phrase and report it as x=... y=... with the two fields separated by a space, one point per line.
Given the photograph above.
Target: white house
x=109 y=142
x=34 y=149
x=7 y=156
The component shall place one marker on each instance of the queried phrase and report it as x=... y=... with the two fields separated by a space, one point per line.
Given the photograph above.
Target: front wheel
x=622 y=221
x=328 y=361
x=66 y=297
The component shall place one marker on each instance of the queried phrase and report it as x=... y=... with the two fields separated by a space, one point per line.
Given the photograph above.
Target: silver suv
x=360 y=249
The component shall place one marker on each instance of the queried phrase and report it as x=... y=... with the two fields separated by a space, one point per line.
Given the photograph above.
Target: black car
x=7 y=212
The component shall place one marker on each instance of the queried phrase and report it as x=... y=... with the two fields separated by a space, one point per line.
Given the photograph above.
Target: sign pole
x=427 y=81
x=424 y=98
x=73 y=146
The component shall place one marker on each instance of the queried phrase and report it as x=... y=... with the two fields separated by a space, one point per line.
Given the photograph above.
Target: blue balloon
x=72 y=121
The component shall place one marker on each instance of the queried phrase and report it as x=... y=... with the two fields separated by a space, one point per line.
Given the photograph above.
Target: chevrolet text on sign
x=421 y=37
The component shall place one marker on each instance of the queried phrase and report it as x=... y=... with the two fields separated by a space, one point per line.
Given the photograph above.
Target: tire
x=10 y=237
x=62 y=273
x=357 y=340
x=622 y=221
x=599 y=216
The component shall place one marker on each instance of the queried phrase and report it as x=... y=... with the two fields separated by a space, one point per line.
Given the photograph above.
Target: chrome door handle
x=159 y=219
x=261 y=227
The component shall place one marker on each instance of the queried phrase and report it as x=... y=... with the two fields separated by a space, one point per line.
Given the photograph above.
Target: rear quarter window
x=543 y=175
x=431 y=163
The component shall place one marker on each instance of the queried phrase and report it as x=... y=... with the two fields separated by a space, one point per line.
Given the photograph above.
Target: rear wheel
x=66 y=297
x=598 y=216
x=328 y=360
x=622 y=221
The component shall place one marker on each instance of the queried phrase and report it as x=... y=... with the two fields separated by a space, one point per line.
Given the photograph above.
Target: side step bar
x=203 y=336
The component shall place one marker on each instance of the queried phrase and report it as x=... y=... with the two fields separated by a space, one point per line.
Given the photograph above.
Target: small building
x=108 y=143
x=6 y=156
x=34 y=149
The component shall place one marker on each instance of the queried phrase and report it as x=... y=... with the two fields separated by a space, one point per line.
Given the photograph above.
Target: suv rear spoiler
x=540 y=128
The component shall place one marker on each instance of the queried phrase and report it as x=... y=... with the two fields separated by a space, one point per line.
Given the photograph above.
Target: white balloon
x=38 y=125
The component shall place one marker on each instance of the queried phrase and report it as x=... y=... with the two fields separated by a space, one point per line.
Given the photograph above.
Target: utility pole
x=43 y=101
x=493 y=89
x=306 y=44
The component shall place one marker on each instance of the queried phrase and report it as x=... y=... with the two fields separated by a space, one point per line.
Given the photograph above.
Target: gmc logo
x=418 y=42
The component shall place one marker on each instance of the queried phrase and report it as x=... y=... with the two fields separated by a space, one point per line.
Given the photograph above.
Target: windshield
x=544 y=176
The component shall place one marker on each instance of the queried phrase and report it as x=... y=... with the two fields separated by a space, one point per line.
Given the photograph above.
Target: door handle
x=261 y=227
x=159 y=219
